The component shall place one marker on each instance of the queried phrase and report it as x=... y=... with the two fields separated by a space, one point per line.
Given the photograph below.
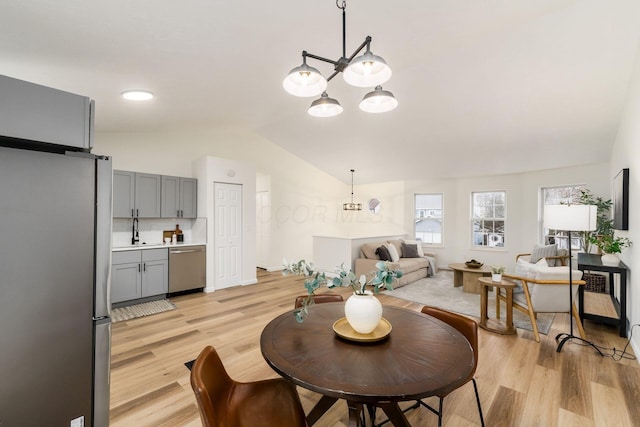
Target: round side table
x=494 y=325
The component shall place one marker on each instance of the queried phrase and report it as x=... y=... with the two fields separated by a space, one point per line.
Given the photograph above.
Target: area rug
x=439 y=292
x=141 y=310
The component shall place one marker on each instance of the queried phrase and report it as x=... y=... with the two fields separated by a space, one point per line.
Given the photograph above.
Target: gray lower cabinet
x=139 y=274
x=136 y=194
x=179 y=197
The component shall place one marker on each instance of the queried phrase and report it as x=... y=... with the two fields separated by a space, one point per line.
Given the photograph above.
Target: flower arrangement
x=383 y=277
x=497 y=269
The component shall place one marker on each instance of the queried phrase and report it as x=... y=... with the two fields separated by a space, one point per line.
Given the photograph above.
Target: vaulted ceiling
x=485 y=87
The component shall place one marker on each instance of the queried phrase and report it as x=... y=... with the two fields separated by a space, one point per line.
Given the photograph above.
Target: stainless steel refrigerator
x=55 y=262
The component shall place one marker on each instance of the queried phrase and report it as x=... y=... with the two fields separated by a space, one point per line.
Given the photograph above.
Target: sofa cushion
x=409 y=265
x=398 y=245
x=395 y=256
x=409 y=250
x=542 y=251
x=383 y=253
x=417 y=243
x=368 y=250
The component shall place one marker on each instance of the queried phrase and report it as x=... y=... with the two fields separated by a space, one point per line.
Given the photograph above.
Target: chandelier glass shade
x=325 y=107
x=378 y=101
x=304 y=81
x=366 y=70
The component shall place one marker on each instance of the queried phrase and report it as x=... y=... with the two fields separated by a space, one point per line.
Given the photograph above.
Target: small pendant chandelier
x=352 y=206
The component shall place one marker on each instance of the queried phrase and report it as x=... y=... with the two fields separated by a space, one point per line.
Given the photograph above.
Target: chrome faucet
x=135 y=235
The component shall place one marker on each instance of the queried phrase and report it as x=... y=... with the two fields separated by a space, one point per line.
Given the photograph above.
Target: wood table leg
x=320 y=408
x=457 y=278
x=355 y=410
x=497 y=292
x=395 y=414
x=484 y=300
x=509 y=309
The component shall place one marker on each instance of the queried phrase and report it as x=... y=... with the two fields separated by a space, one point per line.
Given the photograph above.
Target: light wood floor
x=521 y=382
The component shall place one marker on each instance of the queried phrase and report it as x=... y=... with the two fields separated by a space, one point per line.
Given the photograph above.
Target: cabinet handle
x=178 y=213
x=137 y=213
x=132 y=213
x=138 y=268
x=144 y=266
x=181 y=214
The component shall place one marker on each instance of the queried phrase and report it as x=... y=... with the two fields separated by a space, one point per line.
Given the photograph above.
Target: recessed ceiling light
x=137 y=95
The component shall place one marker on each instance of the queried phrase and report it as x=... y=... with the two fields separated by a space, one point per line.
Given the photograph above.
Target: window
x=557 y=196
x=488 y=210
x=428 y=218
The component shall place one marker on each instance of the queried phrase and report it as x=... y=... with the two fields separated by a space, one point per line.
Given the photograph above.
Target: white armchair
x=545 y=293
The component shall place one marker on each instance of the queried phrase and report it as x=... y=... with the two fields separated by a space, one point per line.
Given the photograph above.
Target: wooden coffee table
x=468 y=277
x=494 y=325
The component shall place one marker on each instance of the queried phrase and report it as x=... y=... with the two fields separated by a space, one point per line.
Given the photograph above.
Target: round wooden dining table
x=421 y=357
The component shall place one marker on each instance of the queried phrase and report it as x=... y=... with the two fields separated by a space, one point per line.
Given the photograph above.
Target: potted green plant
x=496 y=272
x=604 y=223
x=364 y=308
x=611 y=246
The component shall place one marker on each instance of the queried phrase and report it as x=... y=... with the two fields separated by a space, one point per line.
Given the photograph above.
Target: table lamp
x=570 y=218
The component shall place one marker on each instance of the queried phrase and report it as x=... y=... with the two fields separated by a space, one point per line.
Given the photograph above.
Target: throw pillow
x=397 y=243
x=410 y=251
x=383 y=253
x=527 y=269
x=418 y=244
x=542 y=251
x=395 y=257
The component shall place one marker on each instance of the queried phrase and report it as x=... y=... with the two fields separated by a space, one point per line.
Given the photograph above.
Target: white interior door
x=263 y=227
x=228 y=235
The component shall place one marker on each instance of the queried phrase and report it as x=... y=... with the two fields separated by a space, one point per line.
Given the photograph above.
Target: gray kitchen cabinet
x=136 y=195
x=139 y=274
x=39 y=113
x=179 y=197
x=124 y=194
x=147 y=195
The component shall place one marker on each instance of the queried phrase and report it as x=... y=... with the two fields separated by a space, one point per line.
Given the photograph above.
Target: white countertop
x=155 y=245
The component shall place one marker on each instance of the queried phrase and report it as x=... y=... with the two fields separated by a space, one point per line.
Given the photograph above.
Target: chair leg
x=475 y=387
x=440 y=412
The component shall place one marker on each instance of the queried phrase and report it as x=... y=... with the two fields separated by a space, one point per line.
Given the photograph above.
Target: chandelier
x=352 y=206
x=366 y=70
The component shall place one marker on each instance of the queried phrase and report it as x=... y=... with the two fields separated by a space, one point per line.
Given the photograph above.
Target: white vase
x=496 y=277
x=363 y=312
x=611 y=260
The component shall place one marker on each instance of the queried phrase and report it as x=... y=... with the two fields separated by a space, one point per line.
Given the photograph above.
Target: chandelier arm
x=320 y=58
x=364 y=44
x=335 y=73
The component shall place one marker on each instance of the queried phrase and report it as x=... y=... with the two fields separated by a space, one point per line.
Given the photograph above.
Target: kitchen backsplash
x=150 y=230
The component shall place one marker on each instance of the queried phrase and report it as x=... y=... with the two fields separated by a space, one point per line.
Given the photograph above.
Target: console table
x=591 y=262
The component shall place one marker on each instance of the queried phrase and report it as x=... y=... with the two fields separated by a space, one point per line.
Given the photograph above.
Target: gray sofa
x=412 y=268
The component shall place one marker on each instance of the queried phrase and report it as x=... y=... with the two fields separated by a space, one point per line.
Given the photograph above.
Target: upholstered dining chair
x=544 y=291
x=225 y=402
x=318 y=299
x=467 y=327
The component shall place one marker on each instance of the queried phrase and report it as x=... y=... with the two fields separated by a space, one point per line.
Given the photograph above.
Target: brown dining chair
x=225 y=402
x=318 y=299
x=469 y=328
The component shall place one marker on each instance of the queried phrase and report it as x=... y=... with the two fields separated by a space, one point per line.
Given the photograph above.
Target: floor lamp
x=570 y=218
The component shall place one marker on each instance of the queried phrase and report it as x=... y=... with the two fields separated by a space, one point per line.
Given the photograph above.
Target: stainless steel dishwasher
x=187 y=268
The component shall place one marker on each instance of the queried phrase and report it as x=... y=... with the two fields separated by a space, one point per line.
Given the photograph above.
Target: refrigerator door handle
x=104 y=179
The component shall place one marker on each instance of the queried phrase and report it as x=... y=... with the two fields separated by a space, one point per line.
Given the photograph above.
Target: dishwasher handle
x=185 y=251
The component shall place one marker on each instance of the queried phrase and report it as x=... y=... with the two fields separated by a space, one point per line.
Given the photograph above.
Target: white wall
x=523 y=191
x=626 y=154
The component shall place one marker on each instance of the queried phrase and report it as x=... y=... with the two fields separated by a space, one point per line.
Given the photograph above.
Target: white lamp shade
x=325 y=107
x=570 y=217
x=378 y=101
x=367 y=70
x=304 y=81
